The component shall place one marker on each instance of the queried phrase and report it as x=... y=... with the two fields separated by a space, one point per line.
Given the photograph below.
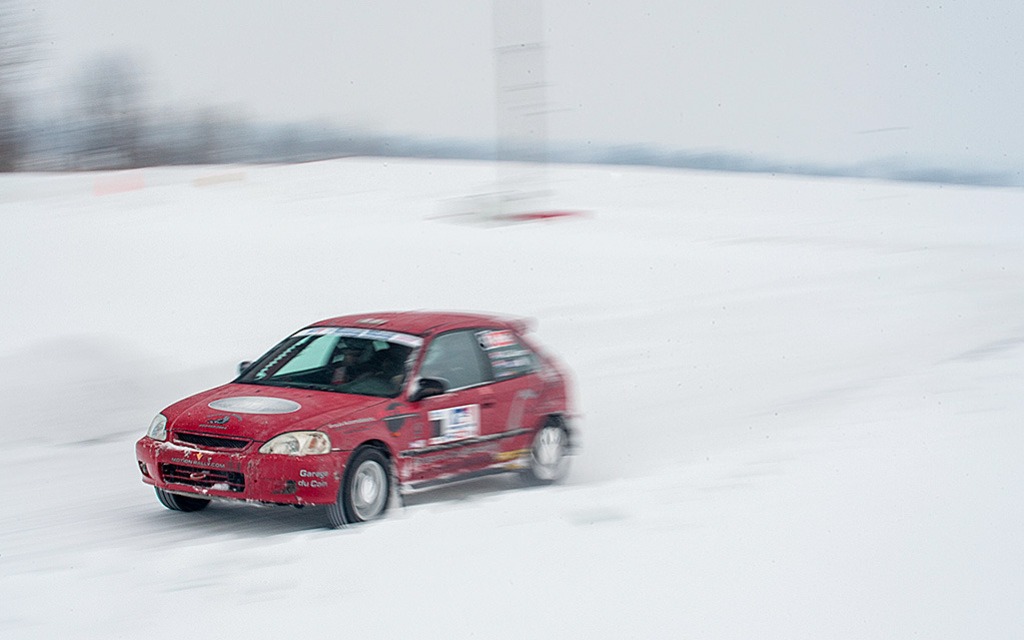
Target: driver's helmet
x=361 y=349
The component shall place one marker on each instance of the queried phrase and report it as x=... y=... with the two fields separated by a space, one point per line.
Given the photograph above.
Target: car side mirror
x=427 y=387
x=242 y=366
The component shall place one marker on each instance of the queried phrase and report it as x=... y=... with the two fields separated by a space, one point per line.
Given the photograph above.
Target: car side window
x=508 y=357
x=456 y=359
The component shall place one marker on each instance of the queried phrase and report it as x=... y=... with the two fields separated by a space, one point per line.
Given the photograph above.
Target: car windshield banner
x=367 y=334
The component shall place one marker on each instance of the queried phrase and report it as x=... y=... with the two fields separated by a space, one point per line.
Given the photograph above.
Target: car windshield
x=346 y=360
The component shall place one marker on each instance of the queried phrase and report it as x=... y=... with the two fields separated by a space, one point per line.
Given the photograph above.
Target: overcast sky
x=938 y=82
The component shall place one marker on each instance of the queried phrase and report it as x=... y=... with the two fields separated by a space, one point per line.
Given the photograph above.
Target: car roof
x=424 y=323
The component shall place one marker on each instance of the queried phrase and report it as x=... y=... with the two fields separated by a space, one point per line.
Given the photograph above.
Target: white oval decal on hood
x=255 y=404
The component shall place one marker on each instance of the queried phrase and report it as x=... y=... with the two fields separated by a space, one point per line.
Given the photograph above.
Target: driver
x=349 y=367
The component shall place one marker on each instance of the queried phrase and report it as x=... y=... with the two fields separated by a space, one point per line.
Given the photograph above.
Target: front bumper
x=243 y=476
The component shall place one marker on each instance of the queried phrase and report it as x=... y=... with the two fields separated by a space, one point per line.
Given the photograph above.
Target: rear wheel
x=176 y=502
x=549 y=455
x=365 y=489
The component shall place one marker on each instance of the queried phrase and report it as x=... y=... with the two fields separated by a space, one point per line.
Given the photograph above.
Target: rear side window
x=506 y=354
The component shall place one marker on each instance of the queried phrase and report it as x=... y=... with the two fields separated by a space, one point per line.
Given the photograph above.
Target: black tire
x=365 y=489
x=176 y=502
x=549 y=455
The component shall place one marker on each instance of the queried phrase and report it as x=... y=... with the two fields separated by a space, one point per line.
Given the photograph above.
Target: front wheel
x=549 y=456
x=176 y=502
x=365 y=489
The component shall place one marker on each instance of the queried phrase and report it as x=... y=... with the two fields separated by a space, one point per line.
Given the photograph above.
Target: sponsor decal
x=316 y=331
x=312 y=479
x=460 y=459
x=349 y=423
x=395 y=423
x=255 y=404
x=456 y=423
x=508 y=357
x=419 y=448
x=496 y=339
x=506 y=456
x=219 y=421
x=209 y=463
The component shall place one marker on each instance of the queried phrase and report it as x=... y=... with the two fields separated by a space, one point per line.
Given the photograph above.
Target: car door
x=459 y=421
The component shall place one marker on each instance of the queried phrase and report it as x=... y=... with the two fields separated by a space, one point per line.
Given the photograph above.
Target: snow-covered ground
x=801 y=405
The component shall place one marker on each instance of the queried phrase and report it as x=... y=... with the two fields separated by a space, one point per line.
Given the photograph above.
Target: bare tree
x=15 y=55
x=112 y=114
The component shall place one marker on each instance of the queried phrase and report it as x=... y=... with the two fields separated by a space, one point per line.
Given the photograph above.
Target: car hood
x=260 y=412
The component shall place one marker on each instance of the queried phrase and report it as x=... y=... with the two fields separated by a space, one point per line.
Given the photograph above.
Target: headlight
x=158 y=428
x=298 y=443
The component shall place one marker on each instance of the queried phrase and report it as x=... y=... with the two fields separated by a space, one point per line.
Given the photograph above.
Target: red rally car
x=346 y=410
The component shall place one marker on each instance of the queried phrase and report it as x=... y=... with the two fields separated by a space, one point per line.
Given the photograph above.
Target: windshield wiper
x=290 y=384
x=316 y=386
x=305 y=385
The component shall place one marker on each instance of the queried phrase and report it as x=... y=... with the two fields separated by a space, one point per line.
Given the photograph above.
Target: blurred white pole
x=521 y=104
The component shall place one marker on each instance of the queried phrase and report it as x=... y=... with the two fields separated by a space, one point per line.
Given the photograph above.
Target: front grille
x=206 y=478
x=211 y=442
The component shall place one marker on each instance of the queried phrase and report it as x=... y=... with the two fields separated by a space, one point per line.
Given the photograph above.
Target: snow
x=800 y=404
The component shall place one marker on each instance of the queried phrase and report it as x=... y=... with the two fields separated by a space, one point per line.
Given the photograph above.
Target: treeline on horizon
x=105 y=144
